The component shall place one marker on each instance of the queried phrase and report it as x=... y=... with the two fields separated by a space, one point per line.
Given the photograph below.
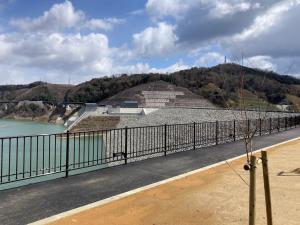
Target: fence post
x=278 y=124
x=259 y=126
x=264 y=158
x=234 y=138
x=270 y=129
x=194 y=136
x=67 y=153
x=126 y=144
x=217 y=132
x=165 y=134
x=252 y=190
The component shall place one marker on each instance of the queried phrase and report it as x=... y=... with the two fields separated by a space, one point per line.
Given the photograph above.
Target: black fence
x=27 y=157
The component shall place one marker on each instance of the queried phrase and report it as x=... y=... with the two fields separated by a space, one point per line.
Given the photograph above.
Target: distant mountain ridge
x=34 y=91
x=217 y=84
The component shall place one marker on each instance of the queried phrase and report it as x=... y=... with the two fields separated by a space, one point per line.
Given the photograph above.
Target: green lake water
x=37 y=154
x=18 y=128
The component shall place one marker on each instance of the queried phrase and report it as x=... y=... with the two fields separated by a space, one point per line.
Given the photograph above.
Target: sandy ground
x=213 y=197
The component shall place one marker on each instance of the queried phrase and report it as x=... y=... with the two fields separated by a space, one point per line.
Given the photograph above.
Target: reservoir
x=20 y=128
x=29 y=150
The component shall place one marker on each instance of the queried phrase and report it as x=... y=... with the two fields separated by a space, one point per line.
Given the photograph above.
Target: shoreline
x=40 y=119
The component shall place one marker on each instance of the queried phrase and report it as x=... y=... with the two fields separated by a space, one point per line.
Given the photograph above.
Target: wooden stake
x=264 y=158
x=252 y=194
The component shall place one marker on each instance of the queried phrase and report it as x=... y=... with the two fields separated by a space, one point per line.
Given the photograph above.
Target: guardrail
x=28 y=157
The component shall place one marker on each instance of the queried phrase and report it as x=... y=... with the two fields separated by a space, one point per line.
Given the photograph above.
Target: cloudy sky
x=76 y=40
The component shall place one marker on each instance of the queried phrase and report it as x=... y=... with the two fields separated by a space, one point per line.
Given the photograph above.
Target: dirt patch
x=97 y=123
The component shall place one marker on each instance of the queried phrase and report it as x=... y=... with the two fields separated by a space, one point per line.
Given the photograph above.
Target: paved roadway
x=37 y=201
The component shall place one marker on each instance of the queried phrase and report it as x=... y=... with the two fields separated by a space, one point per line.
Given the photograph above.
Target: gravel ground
x=179 y=138
x=178 y=115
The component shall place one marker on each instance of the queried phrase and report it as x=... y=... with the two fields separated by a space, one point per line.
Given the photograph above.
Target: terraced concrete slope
x=159 y=94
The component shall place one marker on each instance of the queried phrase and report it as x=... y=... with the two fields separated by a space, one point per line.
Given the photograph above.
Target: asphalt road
x=33 y=202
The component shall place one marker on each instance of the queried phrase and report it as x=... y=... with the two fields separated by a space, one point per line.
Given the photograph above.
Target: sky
x=72 y=41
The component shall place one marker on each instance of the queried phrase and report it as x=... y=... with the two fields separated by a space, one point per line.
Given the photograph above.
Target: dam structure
x=139 y=103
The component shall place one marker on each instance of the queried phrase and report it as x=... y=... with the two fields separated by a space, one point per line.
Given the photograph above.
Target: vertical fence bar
x=126 y=142
x=67 y=154
x=24 y=159
x=17 y=157
x=1 y=174
x=259 y=126
x=49 y=156
x=74 y=151
x=165 y=134
x=217 y=132
x=9 y=158
x=234 y=135
x=30 y=157
x=55 y=153
x=194 y=136
x=278 y=124
x=270 y=128
x=248 y=126
x=43 y=164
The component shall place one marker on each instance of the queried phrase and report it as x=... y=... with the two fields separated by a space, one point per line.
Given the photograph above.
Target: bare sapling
x=249 y=122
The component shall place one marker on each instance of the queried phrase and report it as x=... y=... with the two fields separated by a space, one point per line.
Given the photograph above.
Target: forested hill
x=34 y=91
x=218 y=84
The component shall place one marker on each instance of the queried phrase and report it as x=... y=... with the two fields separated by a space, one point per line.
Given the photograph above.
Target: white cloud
x=223 y=8
x=56 y=53
x=264 y=31
x=156 y=41
x=105 y=24
x=170 y=69
x=55 y=57
x=214 y=8
x=209 y=59
x=146 y=68
x=64 y=16
x=261 y=62
x=137 y=12
x=59 y=17
x=266 y=21
x=161 y=8
x=65 y=42
x=271 y=41
x=54 y=50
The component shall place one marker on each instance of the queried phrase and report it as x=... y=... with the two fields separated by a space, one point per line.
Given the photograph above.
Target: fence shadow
x=295 y=172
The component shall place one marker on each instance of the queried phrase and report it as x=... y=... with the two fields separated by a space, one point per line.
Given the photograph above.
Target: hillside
x=217 y=84
x=35 y=91
x=158 y=94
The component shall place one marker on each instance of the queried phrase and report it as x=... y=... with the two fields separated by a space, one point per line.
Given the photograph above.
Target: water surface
x=19 y=128
x=23 y=156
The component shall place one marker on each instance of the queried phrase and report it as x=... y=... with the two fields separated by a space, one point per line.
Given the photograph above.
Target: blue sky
x=55 y=41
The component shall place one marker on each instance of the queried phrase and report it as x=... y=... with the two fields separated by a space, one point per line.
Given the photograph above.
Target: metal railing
x=27 y=157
